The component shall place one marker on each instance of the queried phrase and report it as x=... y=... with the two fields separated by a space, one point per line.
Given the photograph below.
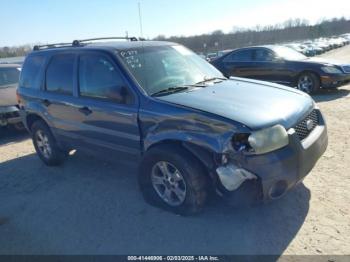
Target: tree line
x=290 y=30
x=14 y=51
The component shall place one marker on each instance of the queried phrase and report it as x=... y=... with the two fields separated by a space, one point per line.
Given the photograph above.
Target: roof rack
x=77 y=43
x=40 y=47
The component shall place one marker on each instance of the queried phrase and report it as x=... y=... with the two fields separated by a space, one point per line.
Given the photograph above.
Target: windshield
x=288 y=53
x=9 y=76
x=159 y=68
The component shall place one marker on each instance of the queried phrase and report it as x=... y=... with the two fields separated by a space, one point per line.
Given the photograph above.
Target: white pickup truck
x=9 y=114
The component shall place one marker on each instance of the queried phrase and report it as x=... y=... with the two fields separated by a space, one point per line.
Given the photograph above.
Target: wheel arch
x=205 y=156
x=31 y=118
x=310 y=71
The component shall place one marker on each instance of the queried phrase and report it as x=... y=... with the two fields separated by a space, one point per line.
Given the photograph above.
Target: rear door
x=58 y=97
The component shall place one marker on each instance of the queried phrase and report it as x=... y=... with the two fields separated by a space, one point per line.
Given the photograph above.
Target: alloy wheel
x=43 y=144
x=169 y=183
x=305 y=84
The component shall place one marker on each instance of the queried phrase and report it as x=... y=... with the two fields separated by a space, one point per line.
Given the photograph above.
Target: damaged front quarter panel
x=206 y=135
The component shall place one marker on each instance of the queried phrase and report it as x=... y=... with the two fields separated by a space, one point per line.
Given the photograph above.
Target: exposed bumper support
x=232 y=177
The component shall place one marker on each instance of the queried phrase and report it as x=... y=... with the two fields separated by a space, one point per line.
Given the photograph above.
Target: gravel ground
x=90 y=206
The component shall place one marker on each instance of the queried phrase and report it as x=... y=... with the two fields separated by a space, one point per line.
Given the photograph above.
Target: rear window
x=30 y=76
x=59 y=74
x=9 y=76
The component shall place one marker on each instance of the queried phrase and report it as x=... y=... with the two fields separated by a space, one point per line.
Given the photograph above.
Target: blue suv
x=192 y=131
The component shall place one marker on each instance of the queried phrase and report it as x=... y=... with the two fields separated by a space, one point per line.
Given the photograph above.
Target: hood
x=256 y=104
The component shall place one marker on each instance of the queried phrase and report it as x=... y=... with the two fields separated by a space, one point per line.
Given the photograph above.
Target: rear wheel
x=45 y=144
x=171 y=178
x=308 y=83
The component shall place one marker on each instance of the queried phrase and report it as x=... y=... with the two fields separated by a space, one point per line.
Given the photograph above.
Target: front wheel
x=308 y=83
x=171 y=178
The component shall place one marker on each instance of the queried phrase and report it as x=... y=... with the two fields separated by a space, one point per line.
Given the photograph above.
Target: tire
x=43 y=139
x=192 y=183
x=308 y=83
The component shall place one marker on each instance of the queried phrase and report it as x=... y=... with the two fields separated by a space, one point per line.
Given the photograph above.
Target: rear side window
x=98 y=78
x=30 y=75
x=9 y=76
x=262 y=55
x=59 y=74
x=241 y=56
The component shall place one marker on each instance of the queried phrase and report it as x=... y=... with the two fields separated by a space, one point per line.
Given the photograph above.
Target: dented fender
x=180 y=124
x=205 y=135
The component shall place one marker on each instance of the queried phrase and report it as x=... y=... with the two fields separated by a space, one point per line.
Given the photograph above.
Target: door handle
x=46 y=102
x=85 y=110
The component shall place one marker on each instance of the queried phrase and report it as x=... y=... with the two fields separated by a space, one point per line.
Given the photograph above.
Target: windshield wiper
x=170 y=90
x=209 y=79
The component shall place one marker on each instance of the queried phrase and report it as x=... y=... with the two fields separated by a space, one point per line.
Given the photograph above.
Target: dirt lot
x=89 y=206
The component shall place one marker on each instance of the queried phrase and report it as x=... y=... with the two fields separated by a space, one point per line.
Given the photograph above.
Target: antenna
x=140 y=19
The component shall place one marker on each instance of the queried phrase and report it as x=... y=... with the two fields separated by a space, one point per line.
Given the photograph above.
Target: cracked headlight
x=269 y=139
x=331 y=70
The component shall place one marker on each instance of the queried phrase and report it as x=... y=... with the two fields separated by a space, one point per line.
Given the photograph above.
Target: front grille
x=346 y=69
x=305 y=127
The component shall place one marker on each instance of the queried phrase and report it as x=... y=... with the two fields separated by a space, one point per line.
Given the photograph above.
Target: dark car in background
x=193 y=131
x=283 y=65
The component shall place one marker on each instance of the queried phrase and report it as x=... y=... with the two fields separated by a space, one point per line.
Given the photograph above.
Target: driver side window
x=98 y=78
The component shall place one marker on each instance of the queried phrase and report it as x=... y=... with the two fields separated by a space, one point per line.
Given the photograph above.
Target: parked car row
x=319 y=46
x=194 y=131
x=307 y=47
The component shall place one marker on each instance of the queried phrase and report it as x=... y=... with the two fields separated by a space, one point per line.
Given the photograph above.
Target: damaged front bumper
x=276 y=172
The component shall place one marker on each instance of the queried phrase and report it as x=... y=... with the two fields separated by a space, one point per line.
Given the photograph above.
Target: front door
x=106 y=105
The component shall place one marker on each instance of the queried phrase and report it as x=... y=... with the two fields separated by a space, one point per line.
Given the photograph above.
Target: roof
x=111 y=45
x=258 y=46
x=121 y=45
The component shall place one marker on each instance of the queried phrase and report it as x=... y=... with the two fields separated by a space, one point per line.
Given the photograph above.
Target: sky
x=48 y=21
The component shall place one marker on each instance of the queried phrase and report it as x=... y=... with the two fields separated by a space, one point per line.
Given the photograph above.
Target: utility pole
x=140 y=19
